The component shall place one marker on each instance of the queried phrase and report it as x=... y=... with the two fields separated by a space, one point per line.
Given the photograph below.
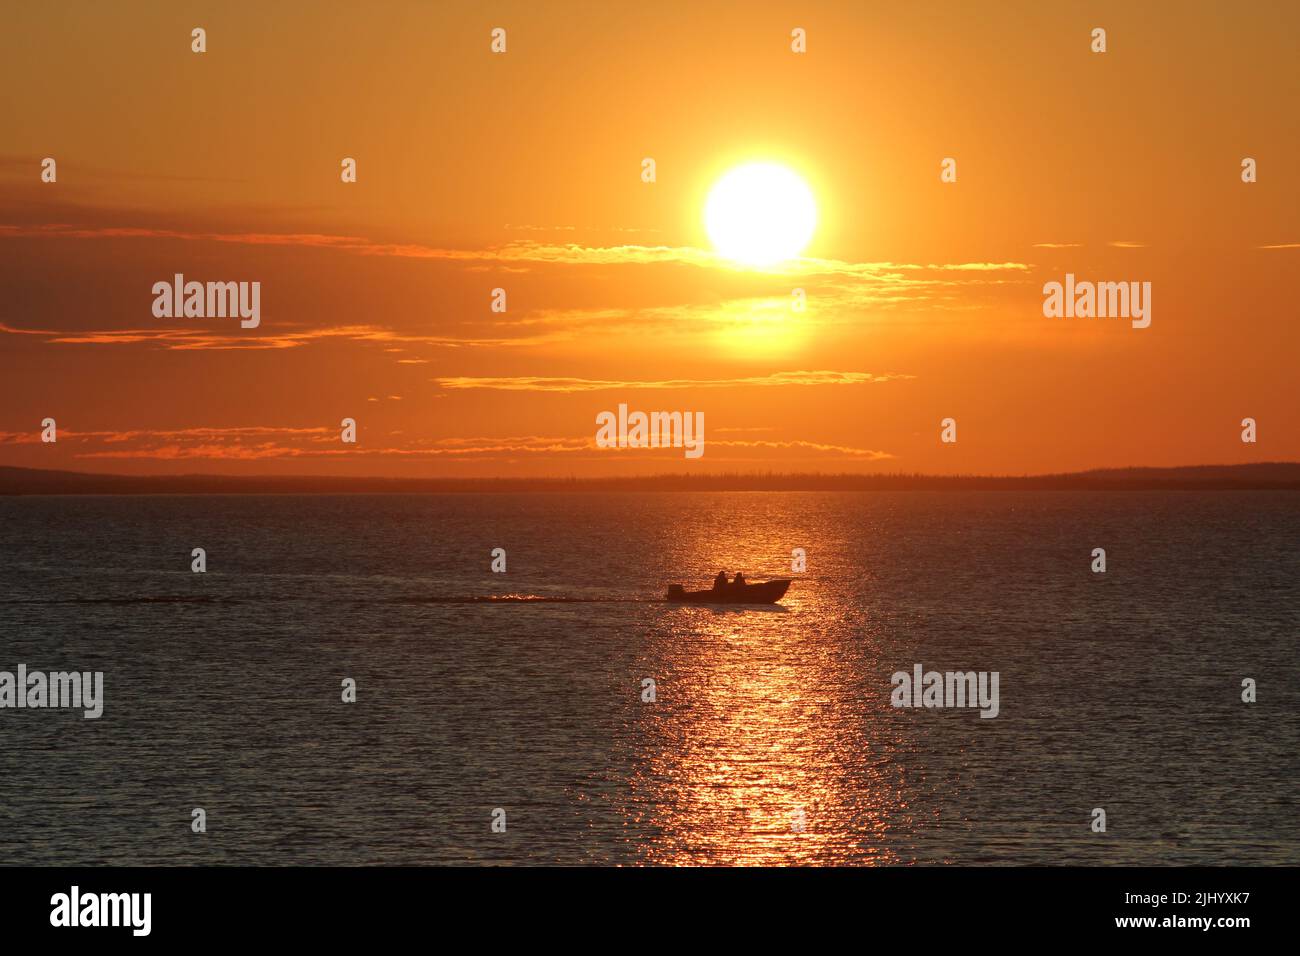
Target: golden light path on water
x=764 y=748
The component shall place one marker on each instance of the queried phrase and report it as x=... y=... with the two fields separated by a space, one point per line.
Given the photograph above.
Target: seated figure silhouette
x=739 y=581
x=720 y=582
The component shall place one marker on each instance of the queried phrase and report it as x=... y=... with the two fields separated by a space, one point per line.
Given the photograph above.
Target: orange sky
x=522 y=171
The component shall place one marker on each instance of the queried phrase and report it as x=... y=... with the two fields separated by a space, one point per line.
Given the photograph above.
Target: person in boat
x=720 y=582
x=739 y=581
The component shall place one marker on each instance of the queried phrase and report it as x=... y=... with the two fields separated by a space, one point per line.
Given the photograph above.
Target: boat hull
x=769 y=592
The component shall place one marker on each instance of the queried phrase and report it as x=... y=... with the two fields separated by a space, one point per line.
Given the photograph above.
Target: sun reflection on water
x=760 y=747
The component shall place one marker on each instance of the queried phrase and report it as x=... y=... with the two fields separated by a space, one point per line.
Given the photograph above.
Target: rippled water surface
x=1120 y=691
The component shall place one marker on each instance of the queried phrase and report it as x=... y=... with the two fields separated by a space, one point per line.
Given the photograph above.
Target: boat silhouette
x=768 y=592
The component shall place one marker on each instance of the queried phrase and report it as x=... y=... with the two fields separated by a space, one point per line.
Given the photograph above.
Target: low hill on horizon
x=1255 y=476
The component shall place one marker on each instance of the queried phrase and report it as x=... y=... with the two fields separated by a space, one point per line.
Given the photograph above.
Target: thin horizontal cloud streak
x=533 y=383
x=235 y=432
x=521 y=251
x=495 y=451
x=196 y=339
x=801 y=445
x=254 y=443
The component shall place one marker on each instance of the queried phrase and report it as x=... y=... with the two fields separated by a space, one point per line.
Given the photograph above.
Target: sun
x=760 y=214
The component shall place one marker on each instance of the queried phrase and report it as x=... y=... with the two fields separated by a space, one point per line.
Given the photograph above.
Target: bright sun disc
x=760 y=214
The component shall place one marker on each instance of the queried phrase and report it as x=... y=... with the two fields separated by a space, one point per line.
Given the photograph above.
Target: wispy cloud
x=262 y=443
x=197 y=434
x=194 y=339
x=534 y=383
x=807 y=446
x=838 y=292
x=524 y=251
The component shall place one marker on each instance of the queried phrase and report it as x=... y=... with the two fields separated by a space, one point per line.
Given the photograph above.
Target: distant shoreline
x=1264 y=476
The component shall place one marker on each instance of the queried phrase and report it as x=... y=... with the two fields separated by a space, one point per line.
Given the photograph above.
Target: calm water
x=222 y=689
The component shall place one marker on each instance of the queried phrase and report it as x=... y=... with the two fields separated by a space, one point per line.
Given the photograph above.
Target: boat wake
x=518 y=599
x=161 y=599
x=414 y=599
